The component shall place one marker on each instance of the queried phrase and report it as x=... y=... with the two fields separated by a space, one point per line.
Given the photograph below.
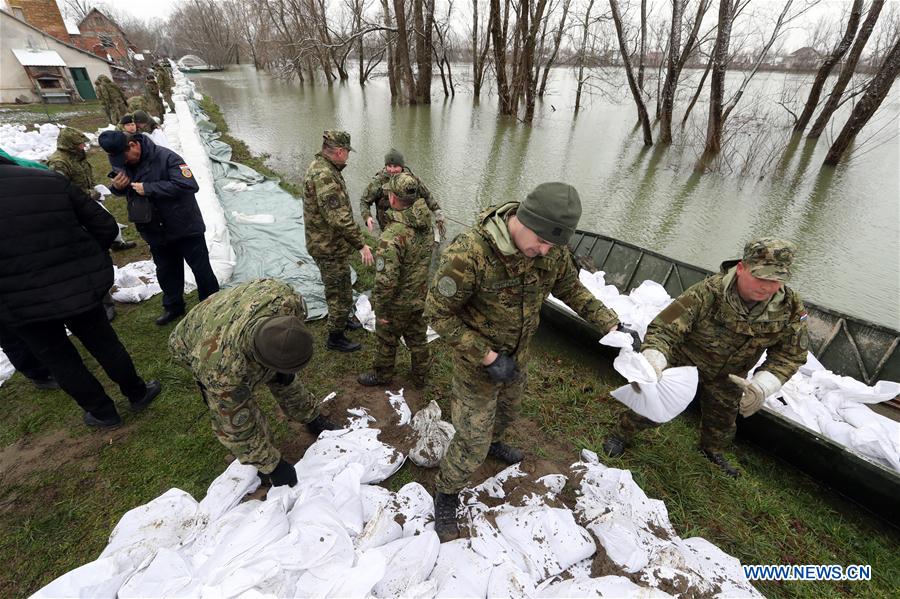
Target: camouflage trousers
x=719 y=403
x=481 y=411
x=243 y=429
x=169 y=100
x=412 y=327
x=338 y=290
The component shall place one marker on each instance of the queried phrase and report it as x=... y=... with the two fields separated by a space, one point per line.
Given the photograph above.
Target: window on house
x=106 y=40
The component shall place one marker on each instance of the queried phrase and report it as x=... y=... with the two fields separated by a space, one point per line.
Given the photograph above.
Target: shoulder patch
x=185 y=171
x=673 y=311
x=333 y=202
x=379 y=263
x=447 y=286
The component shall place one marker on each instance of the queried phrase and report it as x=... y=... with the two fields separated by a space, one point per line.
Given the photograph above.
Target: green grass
x=59 y=515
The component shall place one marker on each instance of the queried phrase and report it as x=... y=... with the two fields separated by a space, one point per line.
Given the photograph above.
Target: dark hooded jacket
x=54 y=247
x=170 y=185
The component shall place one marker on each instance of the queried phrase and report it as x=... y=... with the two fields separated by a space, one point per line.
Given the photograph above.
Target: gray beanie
x=552 y=211
x=394 y=157
x=283 y=343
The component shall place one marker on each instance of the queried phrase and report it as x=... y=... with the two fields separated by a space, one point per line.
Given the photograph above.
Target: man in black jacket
x=55 y=270
x=159 y=188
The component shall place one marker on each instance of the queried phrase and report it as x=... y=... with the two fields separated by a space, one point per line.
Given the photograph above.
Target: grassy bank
x=65 y=487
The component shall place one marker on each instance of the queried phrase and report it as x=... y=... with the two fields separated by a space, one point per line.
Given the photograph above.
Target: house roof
x=99 y=12
x=55 y=39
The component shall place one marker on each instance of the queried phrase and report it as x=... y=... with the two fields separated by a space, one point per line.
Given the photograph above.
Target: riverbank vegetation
x=64 y=487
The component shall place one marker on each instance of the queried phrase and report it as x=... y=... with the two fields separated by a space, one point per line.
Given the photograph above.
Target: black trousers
x=170 y=257
x=47 y=340
x=20 y=356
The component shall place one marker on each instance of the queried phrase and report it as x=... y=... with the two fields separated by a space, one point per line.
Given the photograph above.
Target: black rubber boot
x=353 y=324
x=614 y=445
x=153 y=389
x=45 y=384
x=370 y=379
x=505 y=453
x=722 y=462
x=321 y=423
x=169 y=315
x=445 y=505
x=283 y=474
x=338 y=342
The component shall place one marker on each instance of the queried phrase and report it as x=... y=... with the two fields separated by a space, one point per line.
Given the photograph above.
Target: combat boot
x=719 y=460
x=370 y=379
x=505 y=453
x=169 y=314
x=614 y=445
x=153 y=389
x=338 y=342
x=353 y=324
x=445 y=505
x=321 y=423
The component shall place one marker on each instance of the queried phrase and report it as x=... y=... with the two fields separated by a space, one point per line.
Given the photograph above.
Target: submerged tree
x=643 y=117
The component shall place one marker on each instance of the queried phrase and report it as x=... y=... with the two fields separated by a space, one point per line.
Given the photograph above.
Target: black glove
x=635 y=337
x=284 y=474
x=503 y=369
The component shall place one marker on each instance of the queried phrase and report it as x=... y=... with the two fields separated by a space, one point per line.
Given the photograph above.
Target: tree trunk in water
x=875 y=93
x=643 y=117
x=581 y=55
x=556 y=42
x=697 y=93
x=391 y=68
x=643 y=48
x=476 y=72
x=528 y=71
x=403 y=60
x=498 y=42
x=834 y=98
x=827 y=65
x=717 y=82
x=672 y=72
x=425 y=30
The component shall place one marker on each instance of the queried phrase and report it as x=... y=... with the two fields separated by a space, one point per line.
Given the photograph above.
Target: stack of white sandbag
x=36 y=144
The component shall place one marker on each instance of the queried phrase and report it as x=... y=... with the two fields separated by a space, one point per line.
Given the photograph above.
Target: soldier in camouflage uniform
x=112 y=98
x=136 y=103
x=722 y=325
x=237 y=340
x=153 y=101
x=332 y=235
x=165 y=83
x=401 y=282
x=375 y=194
x=70 y=160
x=485 y=301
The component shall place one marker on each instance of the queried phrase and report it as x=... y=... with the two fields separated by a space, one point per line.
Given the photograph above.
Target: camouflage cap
x=404 y=186
x=769 y=258
x=69 y=139
x=283 y=343
x=336 y=137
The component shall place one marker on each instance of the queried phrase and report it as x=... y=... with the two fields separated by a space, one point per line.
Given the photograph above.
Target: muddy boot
x=445 y=505
x=321 y=423
x=370 y=379
x=338 y=342
x=505 y=453
x=719 y=460
x=614 y=445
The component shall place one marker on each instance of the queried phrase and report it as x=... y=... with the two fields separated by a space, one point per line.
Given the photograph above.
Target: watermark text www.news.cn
x=807 y=572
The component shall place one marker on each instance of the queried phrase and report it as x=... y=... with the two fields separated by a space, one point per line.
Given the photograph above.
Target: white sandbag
x=135 y=282
x=460 y=571
x=334 y=450
x=103 y=190
x=508 y=581
x=604 y=586
x=410 y=561
x=228 y=489
x=167 y=575
x=661 y=401
x=400 y=406
x=634 y=367
x=433 y=436
x=99 y=579
x=6 y=368
x=163 y=522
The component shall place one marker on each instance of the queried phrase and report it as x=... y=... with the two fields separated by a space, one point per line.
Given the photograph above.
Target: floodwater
x=845 y=221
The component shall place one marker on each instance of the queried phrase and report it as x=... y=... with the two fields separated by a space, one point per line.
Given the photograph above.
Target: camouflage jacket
x=402 y=260
x=707 y=326
x=67 y=161
x=163 y=79
x=481 y=299
x=375 y=194
x=215 y=340
x=112 y=97
x=328 y=217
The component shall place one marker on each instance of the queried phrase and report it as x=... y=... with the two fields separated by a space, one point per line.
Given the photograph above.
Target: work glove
x=502 y=370
x=635 y=336
x=657 y=360
x=284 y=474
x=756 y=390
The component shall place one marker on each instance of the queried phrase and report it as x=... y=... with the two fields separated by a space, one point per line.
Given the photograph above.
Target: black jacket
x=171 y=186
x=54 y=247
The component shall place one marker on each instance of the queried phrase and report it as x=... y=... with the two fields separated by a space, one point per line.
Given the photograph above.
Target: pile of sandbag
x=36 y=144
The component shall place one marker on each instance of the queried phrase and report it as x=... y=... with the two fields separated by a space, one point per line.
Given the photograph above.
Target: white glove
x=756 y=390
x=656 y=359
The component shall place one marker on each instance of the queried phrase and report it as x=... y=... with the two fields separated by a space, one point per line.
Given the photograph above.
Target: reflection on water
x=846 y=221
